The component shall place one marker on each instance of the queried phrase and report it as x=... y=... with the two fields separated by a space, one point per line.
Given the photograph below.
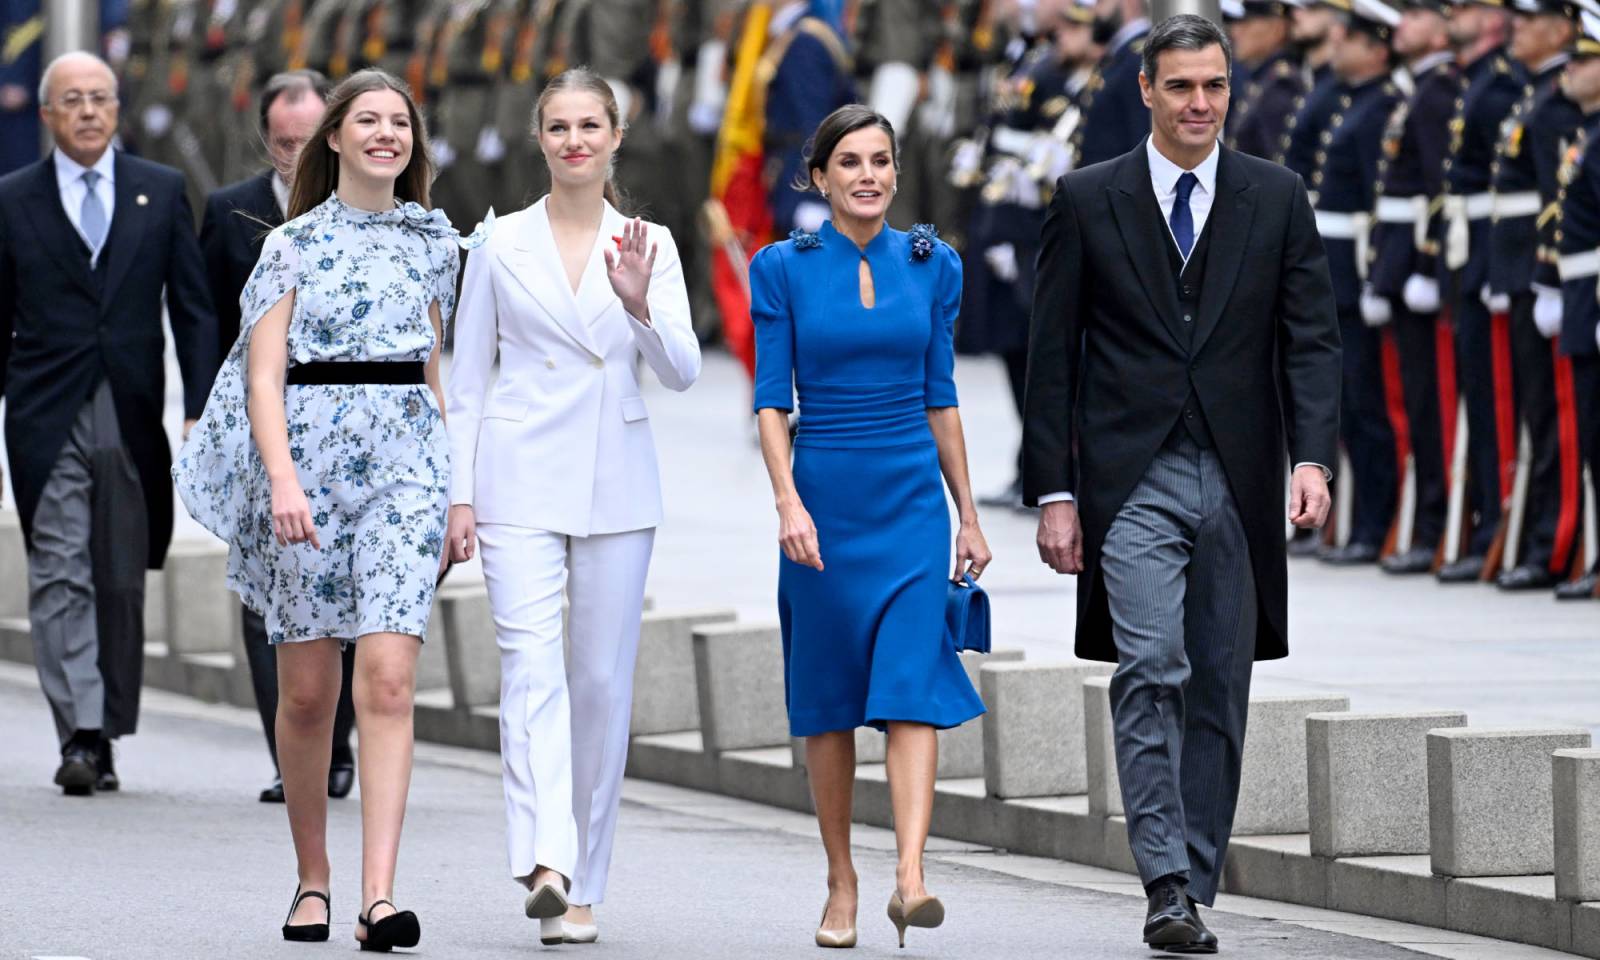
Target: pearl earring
x=824 y=194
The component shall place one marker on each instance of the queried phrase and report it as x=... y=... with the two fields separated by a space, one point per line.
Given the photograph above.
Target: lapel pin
x=142 y=200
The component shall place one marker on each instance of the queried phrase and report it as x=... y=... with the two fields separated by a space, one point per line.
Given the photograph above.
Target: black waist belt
x=389 y=373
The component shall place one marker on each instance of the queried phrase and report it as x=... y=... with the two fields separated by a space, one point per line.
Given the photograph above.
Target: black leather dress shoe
x=1582 y=588
x=273 y=793
x=1351 y=555
x=1465 y=570
x=1205 y=942
x=1305 y=543
x=1526 y=577
x=76 y=775
x=105 y=771
x=341 y=778
x=1413 y=561
x=1169 y=921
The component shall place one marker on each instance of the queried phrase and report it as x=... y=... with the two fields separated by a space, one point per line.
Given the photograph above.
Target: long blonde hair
x=316 y=173
x=584 y=80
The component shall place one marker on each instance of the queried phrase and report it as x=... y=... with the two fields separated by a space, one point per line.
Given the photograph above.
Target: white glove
x=443 y=154
x=1547 y=310
x=157 y=120
x=491 y=146
x=1375 y=311
x=1421 y=294
x=1002 y=259
x=964 y=164
x=1496 y=302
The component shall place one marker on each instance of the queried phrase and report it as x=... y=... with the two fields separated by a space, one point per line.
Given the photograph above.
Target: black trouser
x=1416 y=336
x=1586 y=385
x=1365 y=429
x=1017 y=374
x=1475 y=379
x=1553 y=505
x=264 y=678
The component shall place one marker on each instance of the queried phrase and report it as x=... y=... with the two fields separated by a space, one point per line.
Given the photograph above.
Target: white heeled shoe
x=579 y=932
x=550 y=930
x=546 y=903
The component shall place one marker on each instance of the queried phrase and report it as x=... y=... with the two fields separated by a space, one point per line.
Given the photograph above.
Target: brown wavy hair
x=317 y=171
x=585 y=80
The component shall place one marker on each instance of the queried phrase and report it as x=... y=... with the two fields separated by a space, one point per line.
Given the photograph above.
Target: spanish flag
x=737 y=216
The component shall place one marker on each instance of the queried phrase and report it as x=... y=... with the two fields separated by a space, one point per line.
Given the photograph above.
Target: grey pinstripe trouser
x=1183 y=608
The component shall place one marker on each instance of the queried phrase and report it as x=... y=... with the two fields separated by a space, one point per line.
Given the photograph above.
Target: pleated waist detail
x=856 y=415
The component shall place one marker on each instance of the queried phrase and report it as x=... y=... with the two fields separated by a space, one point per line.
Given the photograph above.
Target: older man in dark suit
x=1183 y=320
x=237 y=219
x=90 y=239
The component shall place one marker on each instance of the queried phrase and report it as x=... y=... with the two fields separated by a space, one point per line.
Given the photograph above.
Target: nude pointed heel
x=835 y=938
x=924 y=911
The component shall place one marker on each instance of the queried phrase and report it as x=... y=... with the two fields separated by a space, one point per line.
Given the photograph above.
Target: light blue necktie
x=1182 y=220
x=92 y=215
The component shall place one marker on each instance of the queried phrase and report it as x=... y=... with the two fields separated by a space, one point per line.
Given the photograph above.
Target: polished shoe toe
x=1413 y=561
x=1169 y=921
x=273 y=793
x=341 y=778
x=1465 y=570
x=1526 y=577
x=1351 y=555
x=1583 y=588
x=76 y=776
x=1204 y=942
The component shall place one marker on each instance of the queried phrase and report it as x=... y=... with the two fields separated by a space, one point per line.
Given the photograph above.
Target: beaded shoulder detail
x=804 y=239
x=923 y=237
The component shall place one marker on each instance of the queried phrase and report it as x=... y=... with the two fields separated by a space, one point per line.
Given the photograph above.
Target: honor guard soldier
x=1024 y=152
x=1578 y=267
x=1317 y=27
x=1533 y=141
x=465 y=66
x=811 y=77
x=1262 y=105
x=522 y=170
x=895 y=44
x=1115 y=118
x=19 y=84
x=1345 y=182
x=1492 y=83
x=1405 y=245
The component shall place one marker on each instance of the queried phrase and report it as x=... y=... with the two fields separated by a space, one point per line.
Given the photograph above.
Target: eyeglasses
x=73 y=99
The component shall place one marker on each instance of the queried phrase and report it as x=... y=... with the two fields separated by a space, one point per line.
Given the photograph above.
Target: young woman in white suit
x=554 y=475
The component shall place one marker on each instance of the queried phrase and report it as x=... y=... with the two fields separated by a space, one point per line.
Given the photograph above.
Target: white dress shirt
x=1164 y=176
x=280 y=192
x=69 y=178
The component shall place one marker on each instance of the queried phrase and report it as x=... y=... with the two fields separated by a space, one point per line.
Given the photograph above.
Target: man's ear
x=1145 y=90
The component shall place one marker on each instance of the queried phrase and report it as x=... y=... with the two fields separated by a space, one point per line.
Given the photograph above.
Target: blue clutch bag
x=966 y=615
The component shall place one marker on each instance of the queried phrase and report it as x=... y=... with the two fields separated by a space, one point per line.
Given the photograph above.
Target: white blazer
x=562 y=442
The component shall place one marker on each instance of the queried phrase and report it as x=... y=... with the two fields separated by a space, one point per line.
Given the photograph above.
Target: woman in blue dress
x=321 y=459
x=859 y=317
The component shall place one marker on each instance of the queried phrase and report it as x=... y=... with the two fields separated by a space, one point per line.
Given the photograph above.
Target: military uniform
x=1579 y=268
x=1532 y=144
x=1302 y=134
x=464 y=69
x=811 y=77
x=1268 y=102
x=20 y=65
x=1404 y=244
x=1115 y=119
x=1490 y=87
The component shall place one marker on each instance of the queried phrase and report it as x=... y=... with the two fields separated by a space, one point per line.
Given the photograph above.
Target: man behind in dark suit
x=237 y=219
x=89 y=240
x=1183 y=321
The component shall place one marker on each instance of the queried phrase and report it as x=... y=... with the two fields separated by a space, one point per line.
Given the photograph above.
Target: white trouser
x=564 y=714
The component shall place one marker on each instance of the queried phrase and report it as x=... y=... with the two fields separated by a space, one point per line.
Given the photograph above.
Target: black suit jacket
x=1110 y=366
x=237 y=219
x=63 y=329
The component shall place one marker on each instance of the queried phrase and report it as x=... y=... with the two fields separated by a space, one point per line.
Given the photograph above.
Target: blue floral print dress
x=373 y=459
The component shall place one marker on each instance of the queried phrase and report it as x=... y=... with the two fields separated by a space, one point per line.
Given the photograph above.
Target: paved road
x=185 y=864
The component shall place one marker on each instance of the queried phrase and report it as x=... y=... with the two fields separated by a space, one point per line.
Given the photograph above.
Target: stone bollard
x=1575 y=776
x=472 y=657
x=1489 y=800
x=664 y=698
x=1033 y=740
x=1100 y=749
x=202 y=613
x=1272 y=781
x=738 y=675
x=1367 y=776
x=961 y=748
x=13 y=566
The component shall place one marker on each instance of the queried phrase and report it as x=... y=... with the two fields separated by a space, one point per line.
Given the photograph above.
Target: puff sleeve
x=774 y=325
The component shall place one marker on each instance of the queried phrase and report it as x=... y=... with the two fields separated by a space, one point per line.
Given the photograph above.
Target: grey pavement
x=184 y=863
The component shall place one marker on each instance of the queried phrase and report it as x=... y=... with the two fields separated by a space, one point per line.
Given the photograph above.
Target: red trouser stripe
x=1394 y=398
x=1571 y=464
x=1445 y=359
x=1505 y=409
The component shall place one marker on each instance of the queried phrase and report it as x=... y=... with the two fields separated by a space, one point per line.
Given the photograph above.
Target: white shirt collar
x=1431 y=61
x=280 y=192
x=69 y=170
x=1164 y=173
x=1550 y=64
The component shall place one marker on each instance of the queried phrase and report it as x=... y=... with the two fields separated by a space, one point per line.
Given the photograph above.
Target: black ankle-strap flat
x=398 y=929
x=306 y=932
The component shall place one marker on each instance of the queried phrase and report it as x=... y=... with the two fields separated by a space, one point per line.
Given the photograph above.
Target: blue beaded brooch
x=923 y=236
x=803 y=240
